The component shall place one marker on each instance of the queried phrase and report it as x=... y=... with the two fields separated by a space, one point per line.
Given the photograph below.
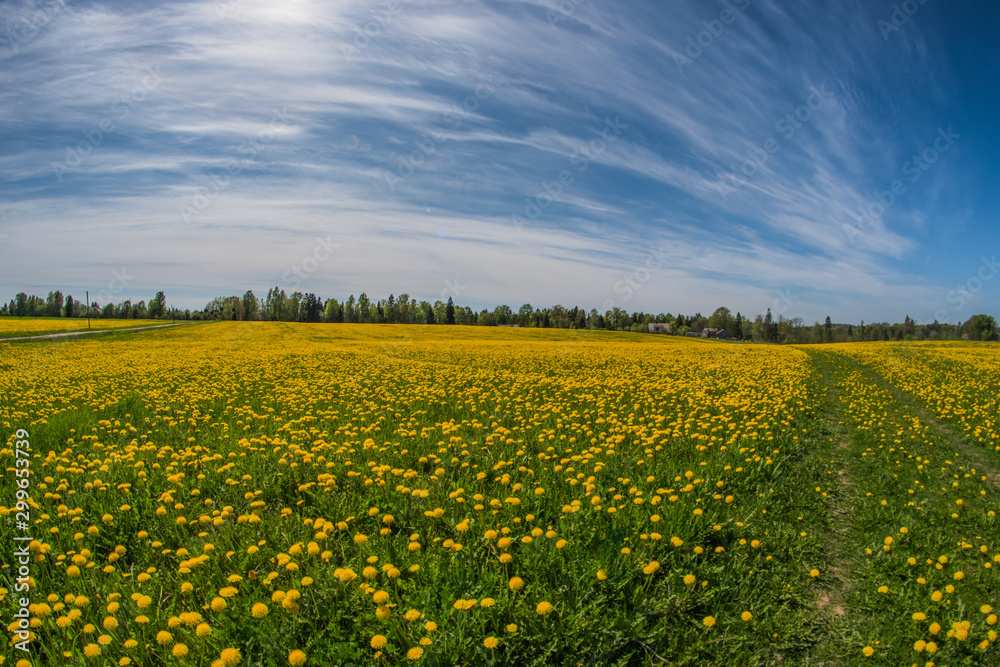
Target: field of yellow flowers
x=292 y=494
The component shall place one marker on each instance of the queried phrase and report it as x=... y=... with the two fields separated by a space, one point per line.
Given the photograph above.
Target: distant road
x=89 y=331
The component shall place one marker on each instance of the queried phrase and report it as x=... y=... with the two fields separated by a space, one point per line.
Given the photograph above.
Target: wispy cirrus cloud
x=365 y=85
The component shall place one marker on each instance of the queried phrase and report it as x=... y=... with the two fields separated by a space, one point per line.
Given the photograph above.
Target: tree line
x=403 y=309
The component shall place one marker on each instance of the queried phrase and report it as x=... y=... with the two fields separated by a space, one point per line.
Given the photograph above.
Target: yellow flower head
x=231 y=657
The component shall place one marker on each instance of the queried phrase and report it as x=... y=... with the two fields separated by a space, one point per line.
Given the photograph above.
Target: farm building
x=715 y=333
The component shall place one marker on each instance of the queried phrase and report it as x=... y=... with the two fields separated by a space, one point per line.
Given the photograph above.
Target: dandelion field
x=274 y=494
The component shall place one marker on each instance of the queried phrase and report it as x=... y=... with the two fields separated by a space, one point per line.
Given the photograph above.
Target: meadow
x=20 y=327
x=293 y=494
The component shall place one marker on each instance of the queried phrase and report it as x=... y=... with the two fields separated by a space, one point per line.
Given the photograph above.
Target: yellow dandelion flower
x=231 y=656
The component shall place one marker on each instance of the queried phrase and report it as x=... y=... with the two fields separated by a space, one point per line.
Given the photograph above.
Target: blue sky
x=666 y=157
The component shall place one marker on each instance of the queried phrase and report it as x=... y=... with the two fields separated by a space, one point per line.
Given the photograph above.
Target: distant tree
x=464 y=315
x=157 y=305
x=54 y=304
x=485 y=318
x=722 y=319
x=350 y=310
x=312 y=307
x=440 y=312
x=273 y=305
x=503 y=314
x=293 y=308
x=525 y=314
x=363 y=309
x=980 y=327
x=403 y=313
x=333 y=311
x=69 y=307
x=251 y=305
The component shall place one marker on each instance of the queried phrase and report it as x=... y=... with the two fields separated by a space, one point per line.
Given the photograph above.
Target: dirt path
x=64 y=334
x=837 y=449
